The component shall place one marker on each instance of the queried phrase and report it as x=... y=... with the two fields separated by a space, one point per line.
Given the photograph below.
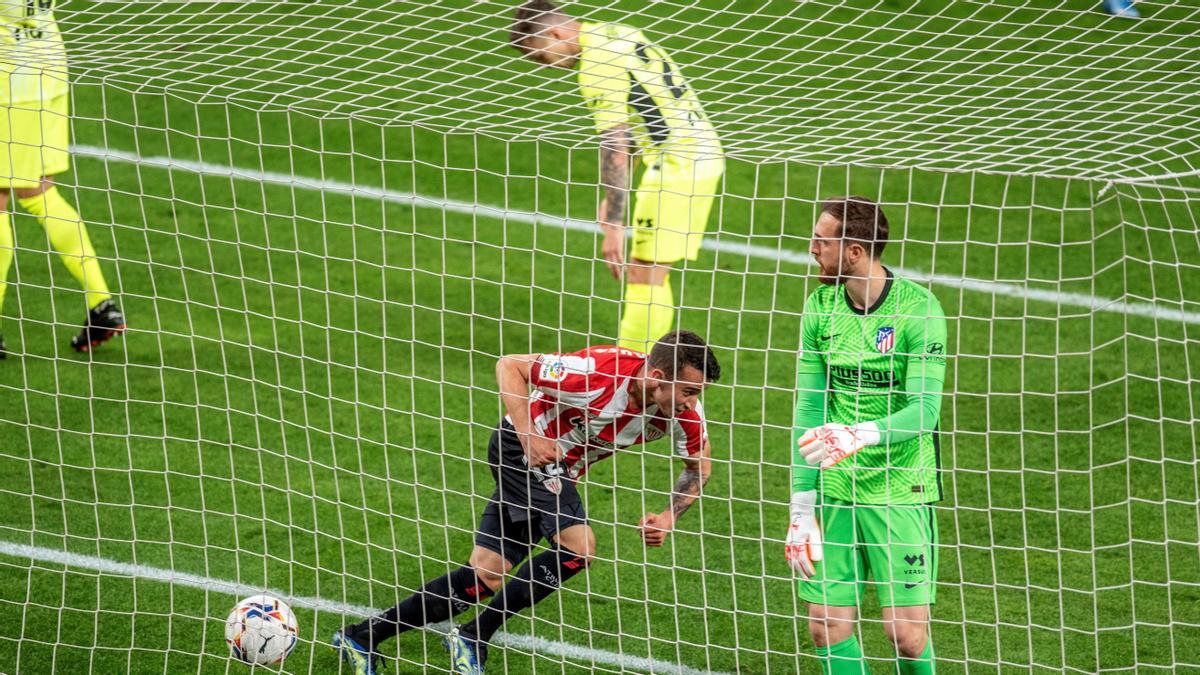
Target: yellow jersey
x=33 y=58
x=626 y=79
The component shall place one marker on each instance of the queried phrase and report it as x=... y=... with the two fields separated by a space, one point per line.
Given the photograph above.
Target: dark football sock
x=440 y=599
x=537 y=579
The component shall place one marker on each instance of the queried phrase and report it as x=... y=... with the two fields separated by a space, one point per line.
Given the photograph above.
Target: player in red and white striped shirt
x=584 y=407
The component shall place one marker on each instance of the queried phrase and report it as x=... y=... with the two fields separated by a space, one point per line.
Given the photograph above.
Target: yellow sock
x=68 y=235
x=6 y=252
x=649 y=314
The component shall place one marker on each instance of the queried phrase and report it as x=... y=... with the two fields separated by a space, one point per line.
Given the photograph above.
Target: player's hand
x=613 y=248
x=541 y=451
x=803 y=544
x=656 y=526
x=829 y=444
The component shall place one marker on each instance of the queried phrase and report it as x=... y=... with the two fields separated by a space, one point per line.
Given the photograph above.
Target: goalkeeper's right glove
x=803 y=546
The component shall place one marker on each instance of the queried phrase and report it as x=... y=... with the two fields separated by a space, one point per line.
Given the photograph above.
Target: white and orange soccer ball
x=261 y=630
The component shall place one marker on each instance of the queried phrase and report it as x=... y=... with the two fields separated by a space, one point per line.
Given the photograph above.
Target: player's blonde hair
x=533 y=17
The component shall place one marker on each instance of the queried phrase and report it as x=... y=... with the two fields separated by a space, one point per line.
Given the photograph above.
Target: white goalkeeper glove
x=803 y=545
x=831 y=443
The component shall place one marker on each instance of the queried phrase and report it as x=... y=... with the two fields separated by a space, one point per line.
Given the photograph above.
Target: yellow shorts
x=671 y=209
x=34 y=141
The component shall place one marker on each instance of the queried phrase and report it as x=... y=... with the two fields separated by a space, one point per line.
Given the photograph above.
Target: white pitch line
x=524 y=643
x=714 y=243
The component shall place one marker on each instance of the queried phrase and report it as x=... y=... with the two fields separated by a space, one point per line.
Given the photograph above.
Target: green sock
x=922 y=665
x=844 y=658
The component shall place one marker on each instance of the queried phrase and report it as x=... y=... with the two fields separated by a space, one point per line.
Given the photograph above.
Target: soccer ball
x=261 y=630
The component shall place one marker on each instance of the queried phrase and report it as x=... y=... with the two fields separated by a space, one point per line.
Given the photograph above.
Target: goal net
x=326 y=220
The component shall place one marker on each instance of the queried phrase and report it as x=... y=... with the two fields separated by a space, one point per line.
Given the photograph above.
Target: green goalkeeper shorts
x=892 y=548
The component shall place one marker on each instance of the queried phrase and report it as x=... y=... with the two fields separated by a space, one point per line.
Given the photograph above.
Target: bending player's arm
x=513 y=377
x=616 y=155
x=803 y=544
x=604 y=84
x=926 y=339
x=689 y=485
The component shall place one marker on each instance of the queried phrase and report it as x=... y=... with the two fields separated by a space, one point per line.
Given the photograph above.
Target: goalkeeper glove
x=803 y=545
x=829 y=444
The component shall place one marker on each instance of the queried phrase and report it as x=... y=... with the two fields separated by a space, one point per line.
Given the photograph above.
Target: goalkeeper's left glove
x=831 y=443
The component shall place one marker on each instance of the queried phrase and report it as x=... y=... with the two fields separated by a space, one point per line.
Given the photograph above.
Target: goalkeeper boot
x=1121 y=8
x=467 y=653
x=103 y=322
x=362 y=661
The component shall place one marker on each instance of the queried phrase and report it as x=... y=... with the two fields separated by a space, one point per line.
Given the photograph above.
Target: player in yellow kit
x=642 y=105
x=34 y=141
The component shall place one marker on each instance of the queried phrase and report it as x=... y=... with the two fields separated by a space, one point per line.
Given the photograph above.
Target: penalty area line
x=999 y=289
x=525 y=643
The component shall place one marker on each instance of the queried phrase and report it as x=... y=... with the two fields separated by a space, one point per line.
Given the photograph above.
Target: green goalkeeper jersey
x=885 y=364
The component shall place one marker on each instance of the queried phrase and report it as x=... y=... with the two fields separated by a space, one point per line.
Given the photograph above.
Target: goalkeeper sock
x=537 y=579
x=844 y=658
x=649 y=314
x=922 y=665
x=440 y=599
x=6 y=252
x=68 y=235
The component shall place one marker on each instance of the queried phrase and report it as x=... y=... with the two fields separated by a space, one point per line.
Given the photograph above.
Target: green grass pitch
x=303 y=399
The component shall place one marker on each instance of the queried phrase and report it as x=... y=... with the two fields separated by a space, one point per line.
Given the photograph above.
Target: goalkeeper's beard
x=833 y=278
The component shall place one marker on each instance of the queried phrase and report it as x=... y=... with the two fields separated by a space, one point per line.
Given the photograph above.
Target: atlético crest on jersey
x=885 y=339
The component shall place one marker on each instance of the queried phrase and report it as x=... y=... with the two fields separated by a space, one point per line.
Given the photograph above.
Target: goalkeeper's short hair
x=862 y=221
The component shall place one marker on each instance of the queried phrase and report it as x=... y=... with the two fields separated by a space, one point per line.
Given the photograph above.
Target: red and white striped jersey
x=582 y=401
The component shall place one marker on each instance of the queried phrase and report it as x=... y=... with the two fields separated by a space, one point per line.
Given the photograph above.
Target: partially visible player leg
x=446 y=596
x=908 y=630
x=649 y=304
x=901 y=543
x=670 y=215
x=649 y=310
x=832 y=631
x=47 y=125
x=69 y=237
x=7 y=249
x=537 y=579
x=834 y=593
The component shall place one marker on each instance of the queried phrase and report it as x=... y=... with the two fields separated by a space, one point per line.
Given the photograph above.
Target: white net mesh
x=325 y=222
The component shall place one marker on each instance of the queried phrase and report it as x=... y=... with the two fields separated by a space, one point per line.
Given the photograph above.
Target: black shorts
x=528 y=504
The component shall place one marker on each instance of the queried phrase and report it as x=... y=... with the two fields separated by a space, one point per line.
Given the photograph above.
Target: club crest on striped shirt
x=885 y=339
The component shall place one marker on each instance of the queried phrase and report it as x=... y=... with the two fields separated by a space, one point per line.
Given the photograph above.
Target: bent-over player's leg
x=649 y=311
x=670 y=215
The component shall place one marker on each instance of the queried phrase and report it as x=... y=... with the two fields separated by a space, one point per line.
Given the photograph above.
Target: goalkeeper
x=865 y=447
x=34 y=140
x=639 y=103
